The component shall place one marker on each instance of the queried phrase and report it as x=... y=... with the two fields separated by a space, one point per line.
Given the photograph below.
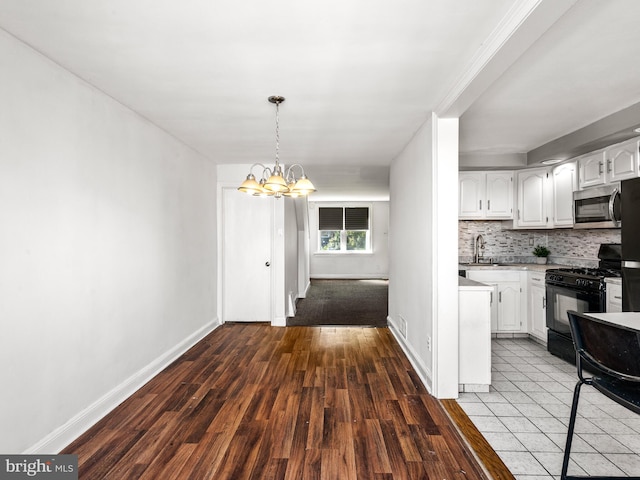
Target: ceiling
x=359 y=77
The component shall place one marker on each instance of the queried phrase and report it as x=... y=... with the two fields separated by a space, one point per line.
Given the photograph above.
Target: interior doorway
x=345 y=303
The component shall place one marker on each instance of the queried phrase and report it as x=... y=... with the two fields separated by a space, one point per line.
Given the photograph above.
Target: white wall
x=410 y=250
x=352 y=265
x=107 y=251
x=290 y=256
x=423 y=290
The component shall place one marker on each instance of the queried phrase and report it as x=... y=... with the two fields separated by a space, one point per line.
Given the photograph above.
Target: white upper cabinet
x=485 y=195
x=499 y=195
x=565 y=182
x=622 y=161
x=592 y=170
x=472 y=192
x=612 y=164
x=533 y=198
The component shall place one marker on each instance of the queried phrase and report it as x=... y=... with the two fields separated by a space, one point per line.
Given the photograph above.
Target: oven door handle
x=555 y=288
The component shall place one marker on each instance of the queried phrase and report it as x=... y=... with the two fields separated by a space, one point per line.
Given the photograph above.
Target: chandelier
x=273 y=182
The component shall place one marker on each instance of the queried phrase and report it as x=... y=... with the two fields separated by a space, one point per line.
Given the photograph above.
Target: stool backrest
x=613 y=349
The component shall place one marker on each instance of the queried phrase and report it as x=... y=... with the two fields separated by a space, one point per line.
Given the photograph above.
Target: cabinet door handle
x=480 y=204
x=488 y=204
x=608 y=165
x=490 y=298
x=499 y=297
x=617 y=297
x=600 y=168
x=544 y=302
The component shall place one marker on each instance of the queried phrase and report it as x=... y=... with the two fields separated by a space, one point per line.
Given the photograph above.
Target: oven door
x=561 y=299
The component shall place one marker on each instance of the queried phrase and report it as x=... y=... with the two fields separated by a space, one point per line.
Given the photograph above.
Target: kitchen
x=587 y=263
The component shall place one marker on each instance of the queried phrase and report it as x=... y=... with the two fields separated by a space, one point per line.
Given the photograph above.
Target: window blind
x=356 y=218
x=330 y=218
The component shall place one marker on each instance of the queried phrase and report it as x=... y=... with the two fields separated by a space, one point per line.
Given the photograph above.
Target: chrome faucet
x=478 y=249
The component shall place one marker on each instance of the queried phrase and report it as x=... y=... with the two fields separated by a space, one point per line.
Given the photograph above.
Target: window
x=344 y=229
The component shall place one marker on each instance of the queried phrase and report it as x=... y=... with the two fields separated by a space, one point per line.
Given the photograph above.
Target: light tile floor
x=525 y=415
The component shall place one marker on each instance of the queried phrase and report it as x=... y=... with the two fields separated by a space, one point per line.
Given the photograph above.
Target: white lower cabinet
x=614 y=295
x=506 y=299
x=537 y=306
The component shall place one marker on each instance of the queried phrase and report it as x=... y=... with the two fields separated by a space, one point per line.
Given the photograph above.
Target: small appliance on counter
x=630 y=191
x=579 y=289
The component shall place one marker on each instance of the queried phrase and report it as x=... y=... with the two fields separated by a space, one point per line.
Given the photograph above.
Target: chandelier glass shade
x=274 y=182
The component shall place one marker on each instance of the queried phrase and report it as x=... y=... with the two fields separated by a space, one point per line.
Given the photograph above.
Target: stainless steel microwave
x=597 y=207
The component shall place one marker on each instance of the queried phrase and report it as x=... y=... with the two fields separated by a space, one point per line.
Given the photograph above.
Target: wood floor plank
x=251 y=401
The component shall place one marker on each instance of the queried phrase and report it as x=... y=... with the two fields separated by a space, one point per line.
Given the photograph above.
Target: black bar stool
x=611 y=356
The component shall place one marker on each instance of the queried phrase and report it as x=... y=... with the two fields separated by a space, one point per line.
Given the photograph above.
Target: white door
x=246 y=257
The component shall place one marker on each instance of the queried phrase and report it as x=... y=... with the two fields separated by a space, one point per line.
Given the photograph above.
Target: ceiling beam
x=614 y=128
x=526 y=21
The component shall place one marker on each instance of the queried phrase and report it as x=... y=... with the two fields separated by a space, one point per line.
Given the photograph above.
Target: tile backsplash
x=567 y=246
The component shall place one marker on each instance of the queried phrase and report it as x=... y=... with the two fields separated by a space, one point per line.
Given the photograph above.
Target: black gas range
x=580 y=289
x=579 y=277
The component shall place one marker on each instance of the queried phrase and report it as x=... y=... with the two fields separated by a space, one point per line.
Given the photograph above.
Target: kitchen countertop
x=532 y=267
x=614 y=280
x=625 y=319
x=468 y=284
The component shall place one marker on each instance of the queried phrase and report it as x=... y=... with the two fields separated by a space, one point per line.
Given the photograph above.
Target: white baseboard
x=80 y=423
x=421 y=369
x=350 y=276
x=291 y=304
x=303 y=293
x=279 y=322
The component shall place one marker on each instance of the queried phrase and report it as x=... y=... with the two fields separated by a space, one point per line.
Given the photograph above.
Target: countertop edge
x=468 y=284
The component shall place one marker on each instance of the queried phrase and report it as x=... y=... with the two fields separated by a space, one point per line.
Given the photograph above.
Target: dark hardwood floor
x=255 y=401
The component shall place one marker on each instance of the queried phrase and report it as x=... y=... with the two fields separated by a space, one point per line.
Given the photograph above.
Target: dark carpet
x=343 y=302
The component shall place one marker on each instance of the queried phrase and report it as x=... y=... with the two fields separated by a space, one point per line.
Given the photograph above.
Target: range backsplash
x=567 y=246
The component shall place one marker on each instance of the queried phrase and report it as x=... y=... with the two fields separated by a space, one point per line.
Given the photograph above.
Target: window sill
x=339 y=252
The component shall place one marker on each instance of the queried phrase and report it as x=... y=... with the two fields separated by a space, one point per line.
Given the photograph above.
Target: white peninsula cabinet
x=485 y=195
x=506 y=299
x=474 y=367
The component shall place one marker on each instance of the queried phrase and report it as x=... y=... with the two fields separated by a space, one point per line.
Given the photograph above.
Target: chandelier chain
x=277 y=133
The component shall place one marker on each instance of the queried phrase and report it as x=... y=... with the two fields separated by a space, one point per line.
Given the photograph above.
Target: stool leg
x=572 y=423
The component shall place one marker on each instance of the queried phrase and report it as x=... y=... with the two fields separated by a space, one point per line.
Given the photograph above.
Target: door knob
x=267 y=264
